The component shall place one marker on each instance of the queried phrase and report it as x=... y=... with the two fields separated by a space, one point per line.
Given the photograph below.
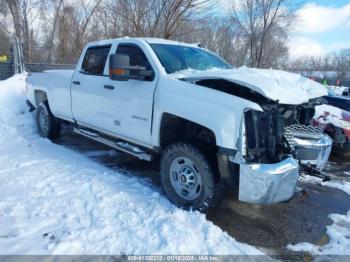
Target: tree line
x=331 y=65
x=251 y=32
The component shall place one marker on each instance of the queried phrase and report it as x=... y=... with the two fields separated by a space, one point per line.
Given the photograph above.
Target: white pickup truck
x=210 y=123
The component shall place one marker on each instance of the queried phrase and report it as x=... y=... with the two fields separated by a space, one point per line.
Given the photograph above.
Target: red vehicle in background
x=335 y=118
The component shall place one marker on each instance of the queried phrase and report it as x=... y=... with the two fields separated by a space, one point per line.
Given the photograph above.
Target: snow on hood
x=277 y=85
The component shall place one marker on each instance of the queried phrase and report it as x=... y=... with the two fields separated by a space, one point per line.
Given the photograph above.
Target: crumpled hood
x=277 y=85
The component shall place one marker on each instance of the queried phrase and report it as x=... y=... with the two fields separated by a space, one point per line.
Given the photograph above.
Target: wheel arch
x=40 y=96
x=176 y=129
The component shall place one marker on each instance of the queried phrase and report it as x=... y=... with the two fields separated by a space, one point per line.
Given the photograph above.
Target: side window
x=95 y=60
x=137 y=57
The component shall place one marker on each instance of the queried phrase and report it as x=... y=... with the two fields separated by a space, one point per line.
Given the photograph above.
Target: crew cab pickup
x=210 y=124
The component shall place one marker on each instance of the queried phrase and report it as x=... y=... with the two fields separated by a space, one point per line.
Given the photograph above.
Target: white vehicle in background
x=210 y=123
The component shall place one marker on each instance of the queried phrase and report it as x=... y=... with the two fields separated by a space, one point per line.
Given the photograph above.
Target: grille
x=301 y=131
x=312 y=147
x=289 y=138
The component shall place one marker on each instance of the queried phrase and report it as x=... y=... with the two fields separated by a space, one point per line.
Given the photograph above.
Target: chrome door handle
x=76 y=82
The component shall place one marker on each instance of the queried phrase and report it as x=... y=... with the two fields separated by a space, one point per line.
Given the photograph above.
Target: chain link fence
x=12 y=62
x=6 y=70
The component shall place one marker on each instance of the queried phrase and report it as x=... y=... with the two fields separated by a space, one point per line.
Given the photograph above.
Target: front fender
x=218 y=111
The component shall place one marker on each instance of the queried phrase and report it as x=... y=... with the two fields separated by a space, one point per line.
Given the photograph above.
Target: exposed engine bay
x=280 y=130
x=270 y=134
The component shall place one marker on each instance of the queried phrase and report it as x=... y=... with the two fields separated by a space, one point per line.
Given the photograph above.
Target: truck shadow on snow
x=302 y=219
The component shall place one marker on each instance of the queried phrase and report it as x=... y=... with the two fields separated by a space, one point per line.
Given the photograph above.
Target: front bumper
x=268 y=183
x=310 y=146
x=313 y=152
x=262 y=183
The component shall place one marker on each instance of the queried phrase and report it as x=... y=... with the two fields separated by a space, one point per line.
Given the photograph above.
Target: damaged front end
x=283 y=130
x=279 y=145
x=274 y=147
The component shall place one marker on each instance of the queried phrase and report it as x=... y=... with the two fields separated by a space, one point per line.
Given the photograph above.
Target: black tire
x=48 y=125
x=208 y=194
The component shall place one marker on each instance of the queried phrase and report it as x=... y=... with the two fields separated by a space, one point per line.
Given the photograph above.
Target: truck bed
x=56 y=83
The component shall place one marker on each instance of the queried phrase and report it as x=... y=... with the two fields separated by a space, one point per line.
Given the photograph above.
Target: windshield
x=177 y=58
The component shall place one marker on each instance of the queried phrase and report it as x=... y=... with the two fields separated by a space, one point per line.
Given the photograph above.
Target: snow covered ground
x=56 y=201
x=338 y=232
x=339 y=235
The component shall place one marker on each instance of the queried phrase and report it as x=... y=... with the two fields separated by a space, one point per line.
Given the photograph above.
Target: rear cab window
x=95 y=60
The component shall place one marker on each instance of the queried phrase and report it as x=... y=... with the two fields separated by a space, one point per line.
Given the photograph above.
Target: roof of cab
x=147 y=39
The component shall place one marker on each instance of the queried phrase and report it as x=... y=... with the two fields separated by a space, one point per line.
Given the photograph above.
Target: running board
x=121 y=146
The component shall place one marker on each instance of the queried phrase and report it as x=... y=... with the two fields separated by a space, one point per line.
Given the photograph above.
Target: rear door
x=87 y=85
x=127 y=105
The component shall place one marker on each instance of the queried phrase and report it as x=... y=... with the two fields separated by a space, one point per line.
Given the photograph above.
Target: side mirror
x=121 y=70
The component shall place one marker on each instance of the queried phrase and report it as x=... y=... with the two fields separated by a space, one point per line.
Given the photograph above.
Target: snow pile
x=56 y=201
x=339 y=235
x=338 y=232
x=327 y=114
x=341 y=185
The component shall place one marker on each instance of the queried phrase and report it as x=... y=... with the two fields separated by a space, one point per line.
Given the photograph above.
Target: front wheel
x=48 y=125
x=187 y=177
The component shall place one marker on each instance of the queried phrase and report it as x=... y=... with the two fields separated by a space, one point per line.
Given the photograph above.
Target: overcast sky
x=324 y=26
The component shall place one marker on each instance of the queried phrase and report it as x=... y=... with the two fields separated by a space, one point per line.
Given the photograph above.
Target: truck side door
x=86 y=87
x=128 y=105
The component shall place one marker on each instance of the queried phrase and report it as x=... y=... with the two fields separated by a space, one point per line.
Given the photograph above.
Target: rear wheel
x=187 y=177
x=48 y=125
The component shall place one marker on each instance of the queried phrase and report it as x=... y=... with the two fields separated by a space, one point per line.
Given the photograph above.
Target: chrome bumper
x=313 y=152
x=268 y=183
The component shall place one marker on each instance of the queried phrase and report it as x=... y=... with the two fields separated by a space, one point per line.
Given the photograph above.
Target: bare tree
x=342 y=63
x=157 y=18
x=53 y=9
x=15 y=12
x=260 y=20
x=5 y=32
x=67 y=26
x=28 y=15
x=88 y=9
x=76 y=25
x=335 y=64
x=254 y=34
x=220 y=36
x=24 y=14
